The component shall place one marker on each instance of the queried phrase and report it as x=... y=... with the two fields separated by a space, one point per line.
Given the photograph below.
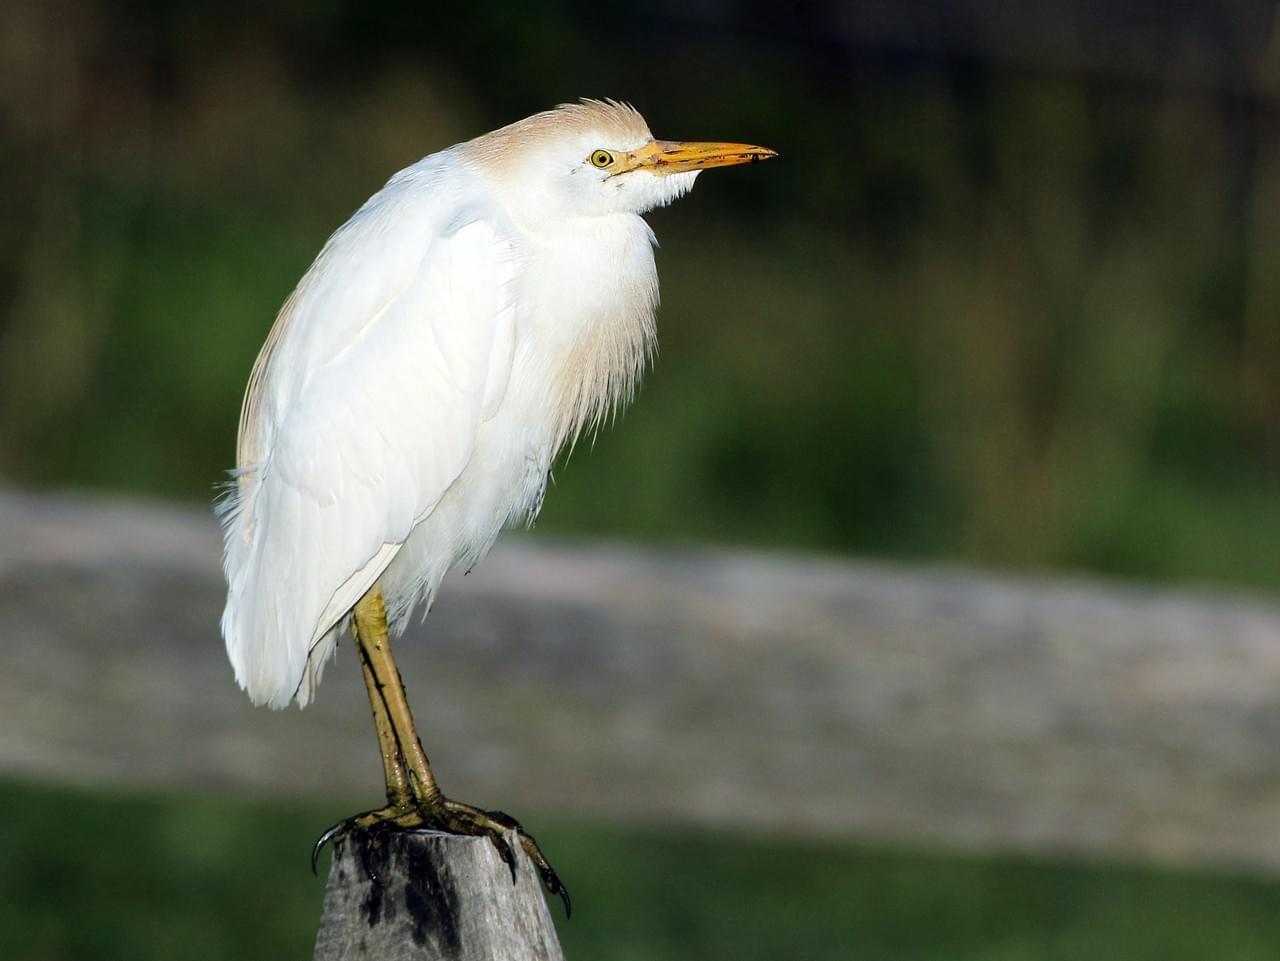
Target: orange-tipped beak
x=674 y=156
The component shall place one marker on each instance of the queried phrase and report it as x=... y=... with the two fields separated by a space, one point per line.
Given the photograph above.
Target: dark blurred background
x=1010 y=295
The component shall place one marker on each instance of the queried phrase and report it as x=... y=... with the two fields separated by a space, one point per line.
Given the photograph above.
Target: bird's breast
x=591 y=291
x=584 y=332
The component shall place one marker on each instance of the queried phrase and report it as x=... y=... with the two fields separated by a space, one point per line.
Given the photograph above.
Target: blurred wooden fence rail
x=794 y=694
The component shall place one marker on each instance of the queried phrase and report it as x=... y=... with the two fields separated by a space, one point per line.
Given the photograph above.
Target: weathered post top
x=438 y=897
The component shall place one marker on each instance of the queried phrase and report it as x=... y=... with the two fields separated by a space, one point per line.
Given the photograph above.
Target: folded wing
x=363 y=410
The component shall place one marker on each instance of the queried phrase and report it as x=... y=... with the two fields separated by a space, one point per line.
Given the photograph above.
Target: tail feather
x=268 y=643
x=283 y=617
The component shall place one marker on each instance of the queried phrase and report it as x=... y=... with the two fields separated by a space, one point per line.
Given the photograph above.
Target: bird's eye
x=601 y=159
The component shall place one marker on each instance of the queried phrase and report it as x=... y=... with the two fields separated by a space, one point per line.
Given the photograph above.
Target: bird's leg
x=396 y=774
x=408 y=770
x=413 y=798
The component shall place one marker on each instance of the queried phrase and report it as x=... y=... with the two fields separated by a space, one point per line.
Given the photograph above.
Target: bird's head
x=595 y=158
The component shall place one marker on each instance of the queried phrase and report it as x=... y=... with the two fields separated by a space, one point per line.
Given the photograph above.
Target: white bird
x=485 y=307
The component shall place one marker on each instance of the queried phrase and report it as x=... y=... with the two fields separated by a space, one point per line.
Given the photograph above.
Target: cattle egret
x=478 y=313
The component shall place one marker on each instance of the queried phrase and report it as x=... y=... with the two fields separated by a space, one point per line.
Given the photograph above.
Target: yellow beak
x=673 y=156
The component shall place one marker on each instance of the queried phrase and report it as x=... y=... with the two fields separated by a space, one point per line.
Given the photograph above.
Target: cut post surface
x=437 y=896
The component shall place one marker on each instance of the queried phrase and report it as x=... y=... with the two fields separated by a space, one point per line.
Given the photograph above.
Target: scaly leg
x=386 y=691
x=413 y=798
x=397 y=776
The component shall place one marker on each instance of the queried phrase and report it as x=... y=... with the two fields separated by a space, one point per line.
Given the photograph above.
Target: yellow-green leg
x=397 y=734
x=413 y=798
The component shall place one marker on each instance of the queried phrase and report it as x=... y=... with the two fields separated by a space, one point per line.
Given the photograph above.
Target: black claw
x=366 y=854
x=504 y=851
x=321 y=841
x=549 y=877
x=555 y=887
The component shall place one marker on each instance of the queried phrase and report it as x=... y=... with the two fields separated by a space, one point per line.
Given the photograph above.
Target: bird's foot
x=451 y=817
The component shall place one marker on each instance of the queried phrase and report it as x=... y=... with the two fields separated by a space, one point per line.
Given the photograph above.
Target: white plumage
x=485 y=306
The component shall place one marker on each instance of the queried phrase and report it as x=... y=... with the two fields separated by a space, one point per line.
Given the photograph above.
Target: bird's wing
x=370 y=404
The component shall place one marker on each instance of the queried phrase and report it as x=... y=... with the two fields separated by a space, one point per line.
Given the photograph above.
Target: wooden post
x=437 y=897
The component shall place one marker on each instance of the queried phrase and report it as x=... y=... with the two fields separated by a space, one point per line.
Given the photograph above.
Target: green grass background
x=981 y=308
x=91 y=875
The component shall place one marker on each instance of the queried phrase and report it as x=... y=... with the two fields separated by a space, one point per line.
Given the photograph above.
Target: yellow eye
x=601 y=159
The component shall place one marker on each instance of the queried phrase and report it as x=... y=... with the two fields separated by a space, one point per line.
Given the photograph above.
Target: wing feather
x=365 y=406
